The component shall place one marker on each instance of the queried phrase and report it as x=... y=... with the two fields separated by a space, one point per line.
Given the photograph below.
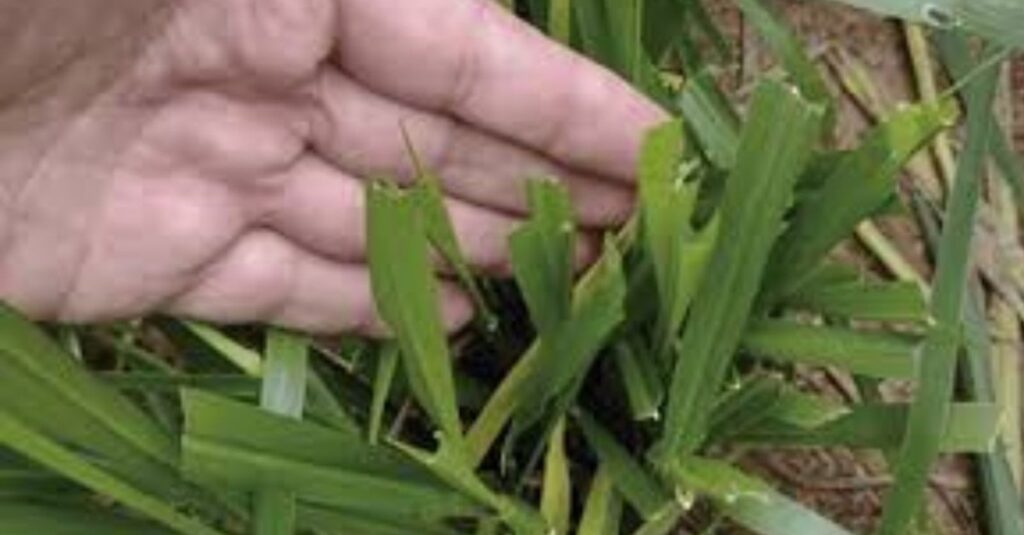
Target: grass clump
x=607 y=404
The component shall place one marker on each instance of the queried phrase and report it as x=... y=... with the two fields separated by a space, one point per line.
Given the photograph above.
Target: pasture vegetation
x=609 y=403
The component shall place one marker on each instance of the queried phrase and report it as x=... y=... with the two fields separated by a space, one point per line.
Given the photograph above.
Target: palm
x=220 y=177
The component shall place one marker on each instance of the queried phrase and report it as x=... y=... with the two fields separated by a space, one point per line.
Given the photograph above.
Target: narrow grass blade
x=26 y=518
x=429 y=197
x=284 y=393
x=971 y=429
x=878 y=301
x=743 y=406
x=955 y=50
x=387 y=364
x=501 y=405
x=871 y=354
x=244 y=358
x=638 y=487
x=450 y=464
x=597 y=42
x=26 y=347
x=234 y=446
x=556 y=494
x=602 y=513
x=641 y=379
x=560 y=21
x=664 y=521
x=775 y=146
x=564 y=358
x=342 y=522
x=325 y=407
x=790 y=53
x=1001 y=496
x=711 y=118
x=541 y=253
x=749 y=502
x=41 y=449
x=285 y=372
x=997 y=20
x=678 y=252
x=405 y=291
x=859 y=184
x=930 y=410
x=226 y=384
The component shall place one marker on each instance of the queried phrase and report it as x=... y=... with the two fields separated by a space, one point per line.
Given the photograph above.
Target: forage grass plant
x=600 y=404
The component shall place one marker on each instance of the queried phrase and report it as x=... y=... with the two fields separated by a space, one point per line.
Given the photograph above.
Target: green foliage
x=774 y=147
x=678 y=343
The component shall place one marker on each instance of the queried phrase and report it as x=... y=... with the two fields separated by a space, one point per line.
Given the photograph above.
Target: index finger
x=477 y=62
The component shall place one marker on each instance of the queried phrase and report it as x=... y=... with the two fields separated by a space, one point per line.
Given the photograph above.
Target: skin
x=207 y=159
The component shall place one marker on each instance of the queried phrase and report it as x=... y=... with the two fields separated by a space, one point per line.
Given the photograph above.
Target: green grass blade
x=556 y=494
x=638 y=487
x=285 y=373
x=26 y=518
x=679 y=254
x=325 y=407
x=878 y=301
x=870 y=354
x=501 y=405
x=441 y=232
x=36 y=356
x=1001 y=496
x=861 y=183
x=387 y=364
x=235 y=446
x=641 y=379
x=663 y=522
x=564 y=358
x=958 y=61
x=711 y=118
x=998 y=20
x=244 y=358
x=284 y=393
x=595 y=38
x=750 y=502
x=602 y=512
x=341 y=522
x=405 y=291
x=560 y=21
x=743 y=406
x=790 y=53
x=541 y=253
x=46 y=452
x=775 y=146
x=625 y=27
x=450 y=464
x=930 y=410
x=971 y=428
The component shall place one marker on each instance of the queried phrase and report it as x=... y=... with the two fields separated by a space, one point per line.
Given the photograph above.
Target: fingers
x=477 y=62
x=265 y=278
x=322 y=209
x=363 y=134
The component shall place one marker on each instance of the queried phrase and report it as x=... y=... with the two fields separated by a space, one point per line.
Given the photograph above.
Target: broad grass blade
x=750 y=502
x=860 y=183
x=234 y=446
x=405 y=291
x=774 y=149
x=872 y=354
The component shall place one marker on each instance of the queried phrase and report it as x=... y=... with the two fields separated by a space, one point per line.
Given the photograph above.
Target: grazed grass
x=611 y=413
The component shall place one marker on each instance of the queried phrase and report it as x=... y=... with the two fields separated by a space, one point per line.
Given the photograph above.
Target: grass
x=616 y=402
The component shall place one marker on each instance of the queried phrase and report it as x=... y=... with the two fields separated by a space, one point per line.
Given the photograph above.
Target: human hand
x=220 y=175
